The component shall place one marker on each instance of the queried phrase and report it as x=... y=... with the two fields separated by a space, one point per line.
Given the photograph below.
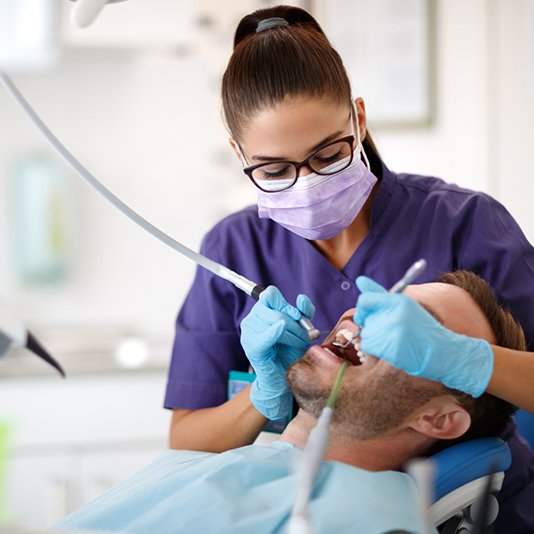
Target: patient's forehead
x=454 y=307
x=451 y=305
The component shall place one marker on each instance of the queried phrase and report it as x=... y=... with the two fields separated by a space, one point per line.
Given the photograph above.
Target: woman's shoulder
x=438 y=191
x=428 y=184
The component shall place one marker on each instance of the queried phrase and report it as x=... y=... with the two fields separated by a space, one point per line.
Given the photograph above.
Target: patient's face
x=376 y=397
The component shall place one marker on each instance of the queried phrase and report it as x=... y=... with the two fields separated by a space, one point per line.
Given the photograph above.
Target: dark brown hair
x=489 y=414
x=284 y=61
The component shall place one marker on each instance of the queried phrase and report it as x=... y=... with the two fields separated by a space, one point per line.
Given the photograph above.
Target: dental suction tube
x=242 y=283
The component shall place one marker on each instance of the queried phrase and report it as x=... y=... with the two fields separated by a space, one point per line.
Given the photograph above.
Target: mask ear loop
x=354 y=114
x=241 y=156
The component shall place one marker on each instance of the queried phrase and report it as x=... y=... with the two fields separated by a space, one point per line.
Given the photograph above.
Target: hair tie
x=267 y=24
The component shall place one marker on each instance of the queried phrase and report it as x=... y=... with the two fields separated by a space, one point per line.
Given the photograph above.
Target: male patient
x=382 y=418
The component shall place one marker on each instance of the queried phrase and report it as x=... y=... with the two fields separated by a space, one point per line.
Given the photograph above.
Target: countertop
x=19 y=363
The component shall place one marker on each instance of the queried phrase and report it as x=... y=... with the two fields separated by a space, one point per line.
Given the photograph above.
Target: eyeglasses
x=276 y=176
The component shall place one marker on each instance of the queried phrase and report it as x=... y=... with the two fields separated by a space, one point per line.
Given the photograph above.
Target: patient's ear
x=441 y=418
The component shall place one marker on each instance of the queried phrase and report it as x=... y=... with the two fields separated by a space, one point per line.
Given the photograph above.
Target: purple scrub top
x=412 y=217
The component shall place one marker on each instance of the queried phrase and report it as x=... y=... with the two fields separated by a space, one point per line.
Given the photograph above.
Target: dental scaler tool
x=242 y=283
x=409 y=276
x=313 y=453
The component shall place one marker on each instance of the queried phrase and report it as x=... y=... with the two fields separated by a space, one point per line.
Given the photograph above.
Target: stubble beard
x=363 y=410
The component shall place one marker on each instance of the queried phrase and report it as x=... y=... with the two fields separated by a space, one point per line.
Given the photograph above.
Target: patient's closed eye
x=432 y=312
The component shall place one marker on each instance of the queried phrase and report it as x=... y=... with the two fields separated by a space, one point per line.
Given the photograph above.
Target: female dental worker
x=328 y=210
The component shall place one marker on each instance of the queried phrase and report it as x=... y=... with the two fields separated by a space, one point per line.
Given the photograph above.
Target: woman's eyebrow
x=331 y=137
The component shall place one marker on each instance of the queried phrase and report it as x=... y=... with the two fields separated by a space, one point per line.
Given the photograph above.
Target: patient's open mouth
x=350 y=353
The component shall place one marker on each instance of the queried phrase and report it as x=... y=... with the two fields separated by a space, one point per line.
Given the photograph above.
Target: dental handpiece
x=242 y=283
x=409 y=276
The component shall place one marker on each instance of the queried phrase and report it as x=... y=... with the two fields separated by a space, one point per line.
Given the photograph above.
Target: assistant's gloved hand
x=273 y=340
x=397 y=329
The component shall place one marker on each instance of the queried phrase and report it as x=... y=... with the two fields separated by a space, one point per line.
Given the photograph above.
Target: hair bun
x=273 y=22
x=252 y=24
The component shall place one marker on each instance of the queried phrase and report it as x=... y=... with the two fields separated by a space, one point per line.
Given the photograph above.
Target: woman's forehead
x=292 y=127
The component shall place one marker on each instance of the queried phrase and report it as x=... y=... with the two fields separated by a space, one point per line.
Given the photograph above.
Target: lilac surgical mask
x=319 y=206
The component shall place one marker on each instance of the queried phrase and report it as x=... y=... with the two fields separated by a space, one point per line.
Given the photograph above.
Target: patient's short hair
x=489 y=414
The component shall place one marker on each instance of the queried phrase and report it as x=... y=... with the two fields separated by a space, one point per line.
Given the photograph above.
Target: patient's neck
x=377 y=454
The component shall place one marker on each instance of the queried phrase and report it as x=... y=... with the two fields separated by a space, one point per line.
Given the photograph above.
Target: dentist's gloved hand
x=273 y=340
x=397 y=329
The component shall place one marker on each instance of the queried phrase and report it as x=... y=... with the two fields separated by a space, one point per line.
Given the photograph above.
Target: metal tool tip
x=420 y=264
x=34 y=346
x=313 y=334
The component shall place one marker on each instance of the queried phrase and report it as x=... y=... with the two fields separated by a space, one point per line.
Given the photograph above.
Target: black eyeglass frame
x=299 y=164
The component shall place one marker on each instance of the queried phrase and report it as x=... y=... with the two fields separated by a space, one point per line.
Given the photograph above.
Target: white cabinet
x=101 y=470
x=73 y=439
x=43 y=487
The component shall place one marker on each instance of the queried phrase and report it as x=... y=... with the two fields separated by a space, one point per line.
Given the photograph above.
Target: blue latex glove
x=273 y=340
x=397 y=329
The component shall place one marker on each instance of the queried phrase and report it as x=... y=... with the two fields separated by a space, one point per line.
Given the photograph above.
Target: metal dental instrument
x=409 y=276
x=13 y=333
x=242 y=283
x=313 y=453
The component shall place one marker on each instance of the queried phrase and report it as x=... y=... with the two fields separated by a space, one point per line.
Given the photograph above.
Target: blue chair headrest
x=468 y=461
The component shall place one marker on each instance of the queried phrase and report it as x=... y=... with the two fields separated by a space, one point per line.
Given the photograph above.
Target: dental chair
x=462 y=473
x=525 y=424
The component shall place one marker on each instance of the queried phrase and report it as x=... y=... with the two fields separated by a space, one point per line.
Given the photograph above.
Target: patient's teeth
x=346 y=333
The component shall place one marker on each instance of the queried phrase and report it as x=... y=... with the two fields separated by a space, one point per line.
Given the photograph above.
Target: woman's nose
x=305 y=170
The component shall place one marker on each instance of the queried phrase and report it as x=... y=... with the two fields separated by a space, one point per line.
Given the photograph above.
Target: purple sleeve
x=495 y=248
x=206 y=344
